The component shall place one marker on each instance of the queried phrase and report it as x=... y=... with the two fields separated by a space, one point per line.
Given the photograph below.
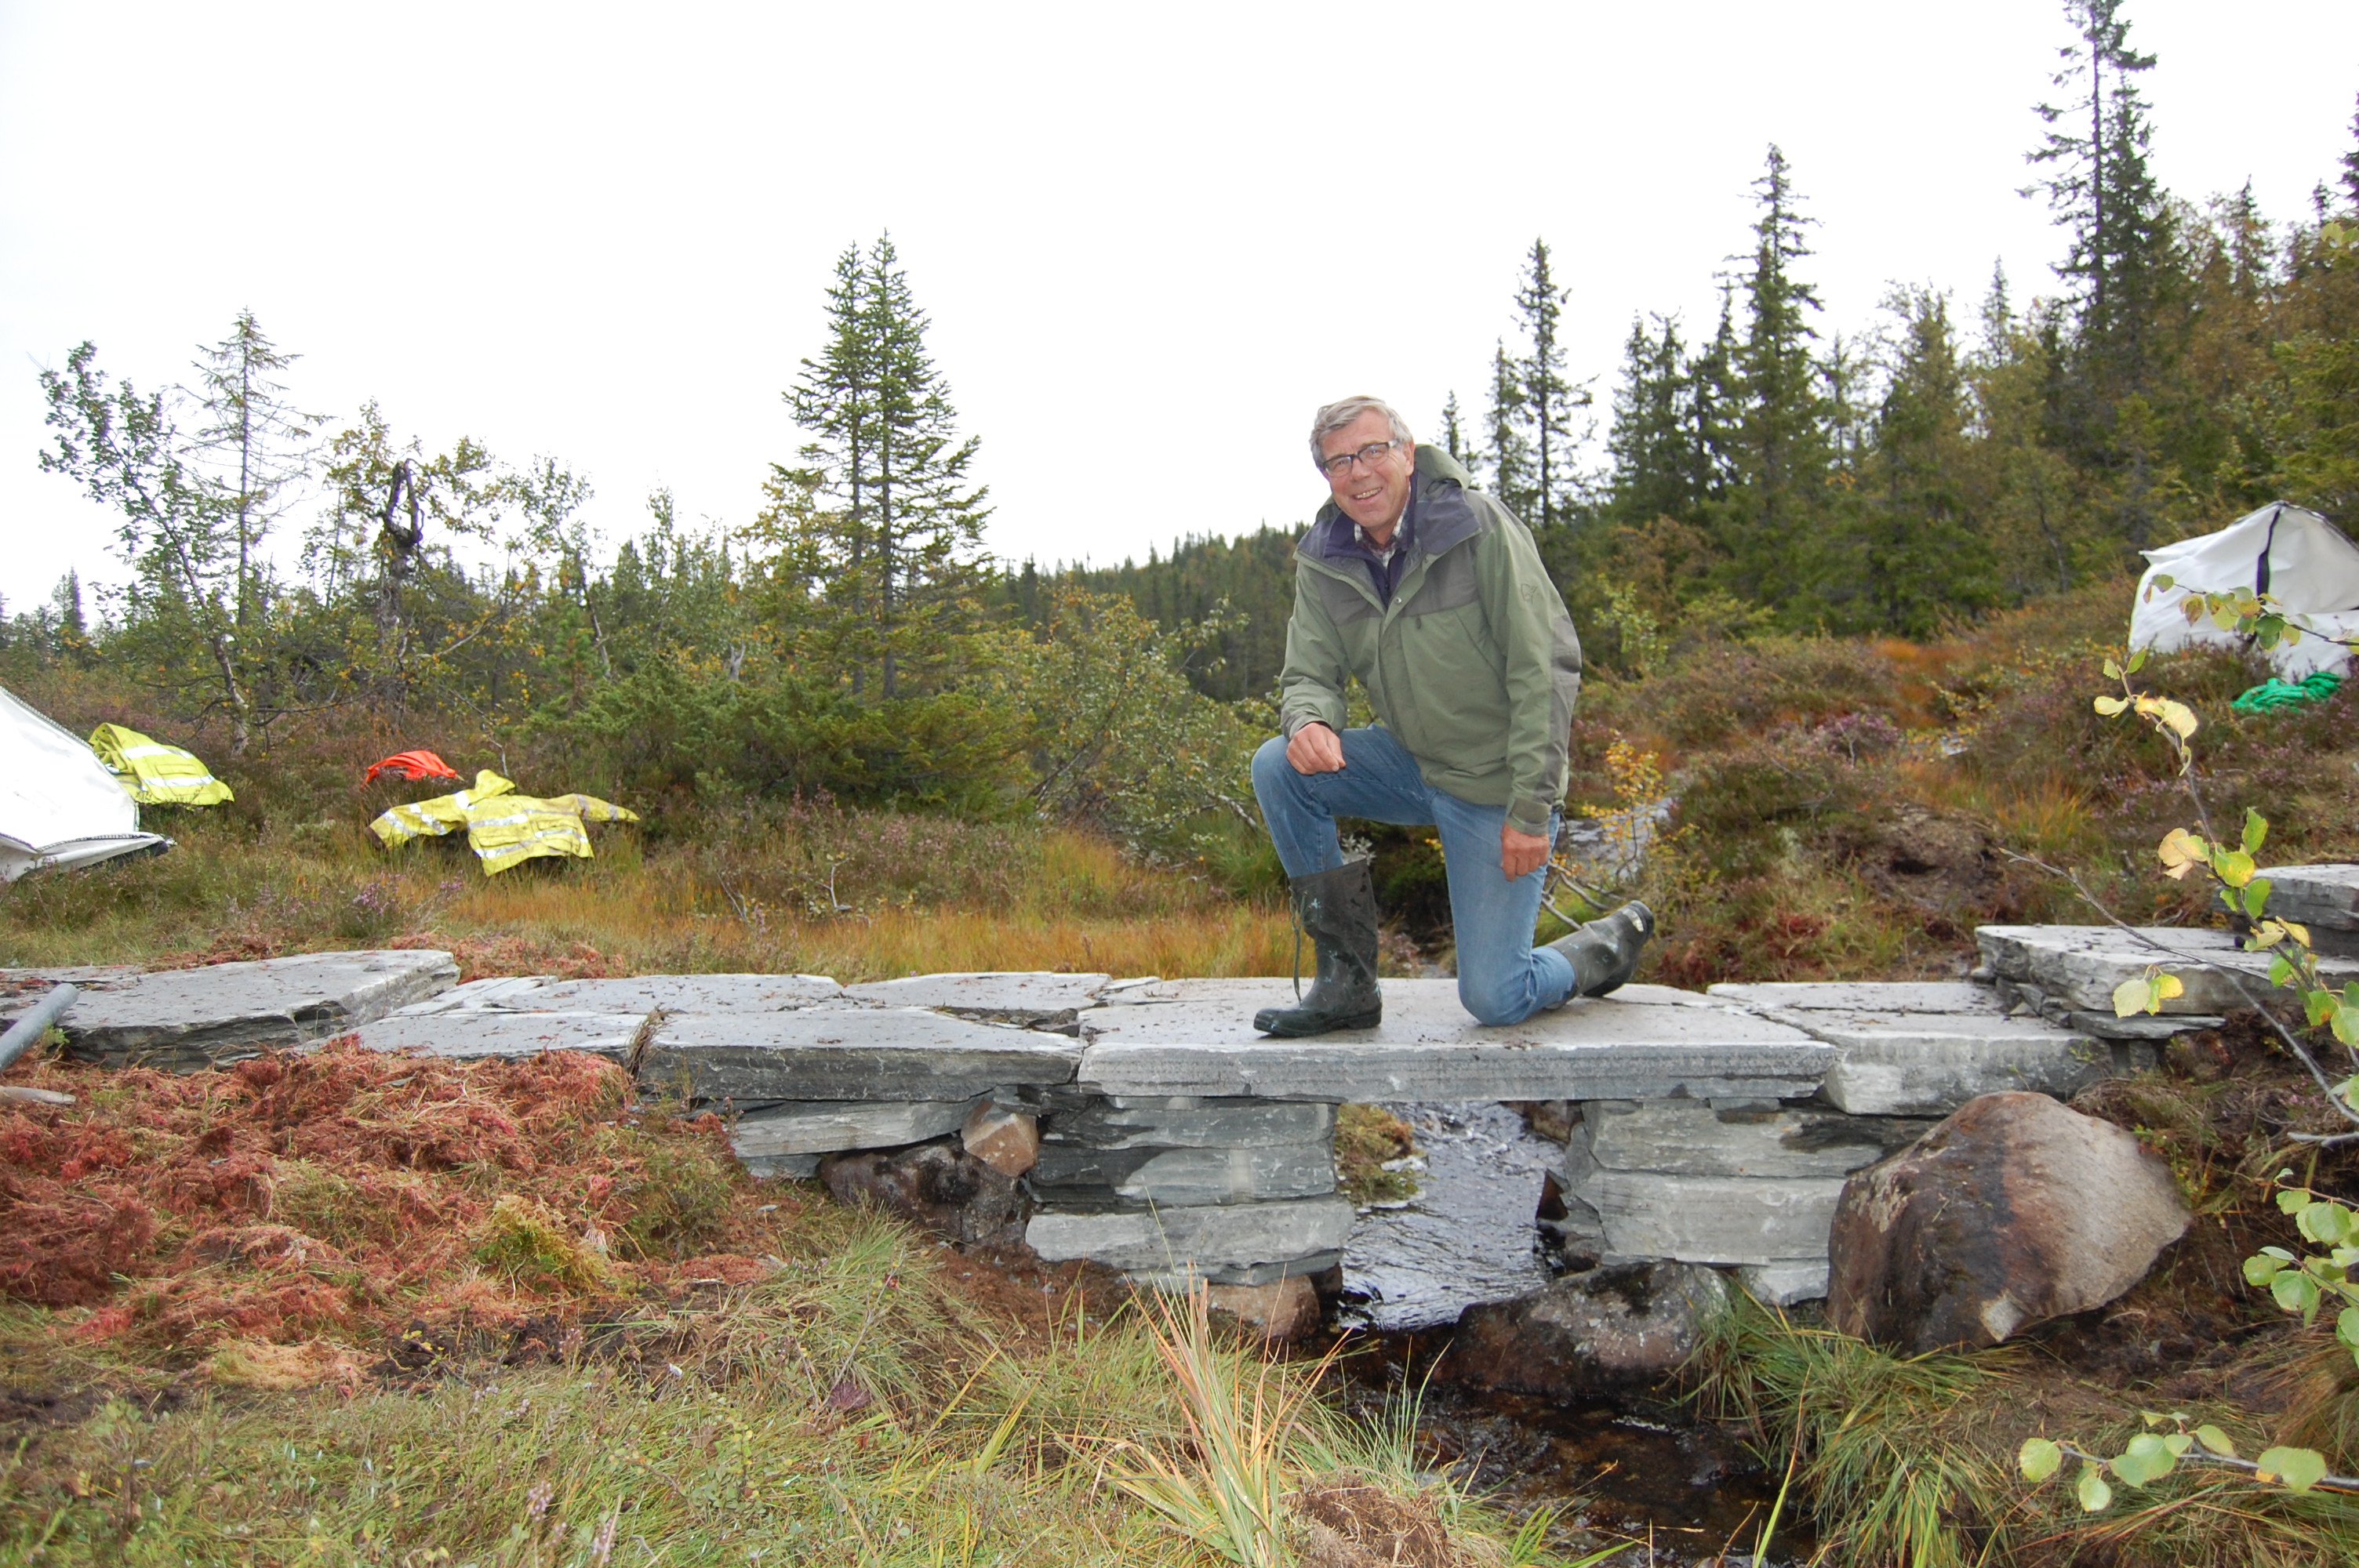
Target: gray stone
x=828 y=1127
x=1209 y=1240
x=782 y=1167
x=850 y=1053
x=2015 y=1210
x=477 y=1033
x=479 y=993
x=1073 y=1176
x=1002 y=991
x=182 y=1020
x=2081 y=965
x=1428 y=1049
x=1188 y=1276
x=1690 y=1138
x=1710 y=1219
x=1124 y=1121
x=1895 y=1063
x=1608 y=1329
x=1862 y=996
x=1783 y=1284
x=673 y=993
x=2322 y=897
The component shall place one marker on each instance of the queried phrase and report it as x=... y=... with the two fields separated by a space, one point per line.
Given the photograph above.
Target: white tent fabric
x=59 y=805
x=2288 y=551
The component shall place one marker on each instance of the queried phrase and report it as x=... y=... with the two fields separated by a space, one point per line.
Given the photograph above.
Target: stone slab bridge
x=1175 y=1143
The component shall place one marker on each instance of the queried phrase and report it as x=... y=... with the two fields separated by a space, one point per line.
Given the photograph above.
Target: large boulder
x=1593 y=1333
x=938 y=1185
x=2013 y=1210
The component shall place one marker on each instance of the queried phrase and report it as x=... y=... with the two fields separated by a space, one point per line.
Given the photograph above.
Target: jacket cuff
x=1529 y=817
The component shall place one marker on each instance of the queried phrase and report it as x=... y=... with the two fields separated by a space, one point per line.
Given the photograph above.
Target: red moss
x=340 y=1190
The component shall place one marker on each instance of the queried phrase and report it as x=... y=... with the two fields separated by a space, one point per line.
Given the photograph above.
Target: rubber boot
x=1337 y=910
x=1604 y=953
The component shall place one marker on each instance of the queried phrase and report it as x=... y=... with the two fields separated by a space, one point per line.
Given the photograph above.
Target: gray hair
x=1337 y=415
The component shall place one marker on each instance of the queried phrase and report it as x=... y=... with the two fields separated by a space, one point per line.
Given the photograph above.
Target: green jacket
x=1473 y=665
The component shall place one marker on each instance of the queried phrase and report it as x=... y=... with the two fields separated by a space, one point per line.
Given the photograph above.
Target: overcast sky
x=1152 y=239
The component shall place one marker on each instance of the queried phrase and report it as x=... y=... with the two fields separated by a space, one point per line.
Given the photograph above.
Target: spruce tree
x=881 y=521
x=251 y=445
x=1454 y=439
x=1655 y=466
x=1780 y=427
x=1508 y=454
x=1548 y=399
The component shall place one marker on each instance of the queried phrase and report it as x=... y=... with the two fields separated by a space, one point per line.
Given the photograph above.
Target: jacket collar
x=1438 y=503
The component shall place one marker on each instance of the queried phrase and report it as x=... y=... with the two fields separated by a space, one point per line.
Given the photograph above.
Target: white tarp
x=2288 y=551
x=59 y=805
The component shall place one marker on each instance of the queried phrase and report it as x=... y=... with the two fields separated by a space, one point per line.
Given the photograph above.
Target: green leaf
x=2109 y=706
x=2148 y=1458
x=2300 y=1469
x=2216 y=1440
x=2281 y=972
x=2346 y=1024
x=2094 y=1495
x=2346 y=1327
x=2324 y=1222
x=2039 y=1459
x=2136 y=996
x=2112 y=670
x=2138 y=661
x=2257 y=829
x=2260 y=1271
x=2163 y=583
x=2295 y=1292
x=2233 y=866
x=2256 y=896
x=2178 y=1442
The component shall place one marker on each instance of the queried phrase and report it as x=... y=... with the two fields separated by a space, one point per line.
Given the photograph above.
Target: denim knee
x=1270 y=768
x=1494 y=999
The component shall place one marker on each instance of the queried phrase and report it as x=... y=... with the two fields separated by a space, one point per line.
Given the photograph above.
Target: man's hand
x=1521 y=854
x=1315 y=749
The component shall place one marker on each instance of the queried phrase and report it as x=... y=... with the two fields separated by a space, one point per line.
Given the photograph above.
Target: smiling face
x=1373 y=494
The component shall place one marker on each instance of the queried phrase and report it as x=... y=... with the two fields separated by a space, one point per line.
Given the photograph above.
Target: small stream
x=1633 y=1468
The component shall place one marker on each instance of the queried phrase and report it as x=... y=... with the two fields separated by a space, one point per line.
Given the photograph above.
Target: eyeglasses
x=1365 y=457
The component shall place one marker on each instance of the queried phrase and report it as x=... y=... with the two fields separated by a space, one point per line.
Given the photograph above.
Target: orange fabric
x=421 y=764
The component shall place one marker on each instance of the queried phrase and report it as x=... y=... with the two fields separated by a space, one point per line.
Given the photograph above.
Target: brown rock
x=1610 y=1328
x=937 y=1185
x=1281 y=1312
x=2013 y=1210
x=1006 y=1140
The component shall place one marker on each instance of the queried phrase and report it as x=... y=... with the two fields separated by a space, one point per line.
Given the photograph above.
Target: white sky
x=1152 y=239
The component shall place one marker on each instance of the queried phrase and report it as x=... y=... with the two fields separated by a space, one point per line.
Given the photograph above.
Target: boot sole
x=1276 y=1024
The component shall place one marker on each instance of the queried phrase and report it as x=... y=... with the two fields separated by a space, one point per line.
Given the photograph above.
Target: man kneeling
x=1433 y=595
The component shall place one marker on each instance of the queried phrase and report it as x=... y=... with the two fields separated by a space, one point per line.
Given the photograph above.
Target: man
x=1433 y=594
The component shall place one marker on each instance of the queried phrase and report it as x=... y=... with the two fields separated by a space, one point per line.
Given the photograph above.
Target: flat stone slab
x=470 y=1036
x=1428 y=1049
x=1927 y=1063
x=829 y=1127
x=1077 y=1177
x=1122 y=1121
x=1712 y=1219
x=643 y=993
x=2083 y=964
x=838 y=1053
x=475 y=994
x=2323 y=895
x=183 y=1020
x=1862 y=996
x=1209 y=1240
x=1690 y=1138
x=1783 y=1284
x=1002 y=991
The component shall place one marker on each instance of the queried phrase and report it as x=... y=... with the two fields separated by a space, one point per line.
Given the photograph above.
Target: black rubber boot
x=1338 y=911
x=1604 y=953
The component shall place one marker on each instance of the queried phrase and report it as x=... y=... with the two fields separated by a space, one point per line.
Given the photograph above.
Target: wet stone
x=850 y=1053
x=1079 y=1177
x=1894 y=1064
x=828 y=1127
x=183 y=1020
x=1863 y=996
x=1188 y=1122
x=1614 y=1328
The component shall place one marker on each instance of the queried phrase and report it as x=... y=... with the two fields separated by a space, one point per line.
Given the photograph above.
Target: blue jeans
x=1502 y=978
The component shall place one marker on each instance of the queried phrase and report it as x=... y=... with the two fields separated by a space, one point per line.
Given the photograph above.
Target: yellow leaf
x=2166 y=987
x=2134 y=996
x=2297 y=930
x=2109 y=706
x=2181 y=852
